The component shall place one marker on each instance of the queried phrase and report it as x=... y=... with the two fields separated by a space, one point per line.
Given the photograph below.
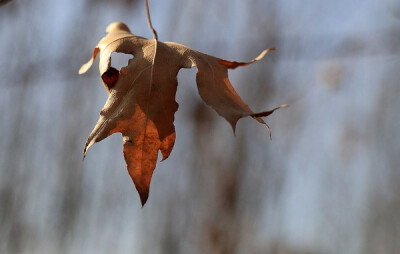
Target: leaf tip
x=143 y=197
x=269 y=131
x=88 y=144
x=84 y=153
x=269 y=112
x=258 y=116
x=86 y=66
x=233 y=125
x=82 y=70
x=262 y=54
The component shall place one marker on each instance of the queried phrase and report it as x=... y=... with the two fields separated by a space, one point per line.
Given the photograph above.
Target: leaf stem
x=155 y=36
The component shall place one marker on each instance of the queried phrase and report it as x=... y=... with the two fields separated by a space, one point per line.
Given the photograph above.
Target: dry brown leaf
x=141 y=96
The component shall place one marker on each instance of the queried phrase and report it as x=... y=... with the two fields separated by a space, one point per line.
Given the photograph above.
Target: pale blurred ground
x=327 y=183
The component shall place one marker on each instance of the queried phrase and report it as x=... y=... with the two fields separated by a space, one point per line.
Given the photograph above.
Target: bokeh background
x=327 y=182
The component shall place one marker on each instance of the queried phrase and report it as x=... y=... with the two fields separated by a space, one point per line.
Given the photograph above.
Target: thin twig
x=155 y=36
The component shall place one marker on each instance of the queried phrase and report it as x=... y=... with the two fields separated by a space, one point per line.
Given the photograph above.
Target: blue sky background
x=326 y=183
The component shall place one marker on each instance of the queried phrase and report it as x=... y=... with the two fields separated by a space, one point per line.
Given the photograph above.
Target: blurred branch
x=2 y=2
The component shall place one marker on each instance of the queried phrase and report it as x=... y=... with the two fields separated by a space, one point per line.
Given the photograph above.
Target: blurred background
x=327 y=182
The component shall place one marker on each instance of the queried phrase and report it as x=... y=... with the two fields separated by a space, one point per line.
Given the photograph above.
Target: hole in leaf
x=119 y=60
